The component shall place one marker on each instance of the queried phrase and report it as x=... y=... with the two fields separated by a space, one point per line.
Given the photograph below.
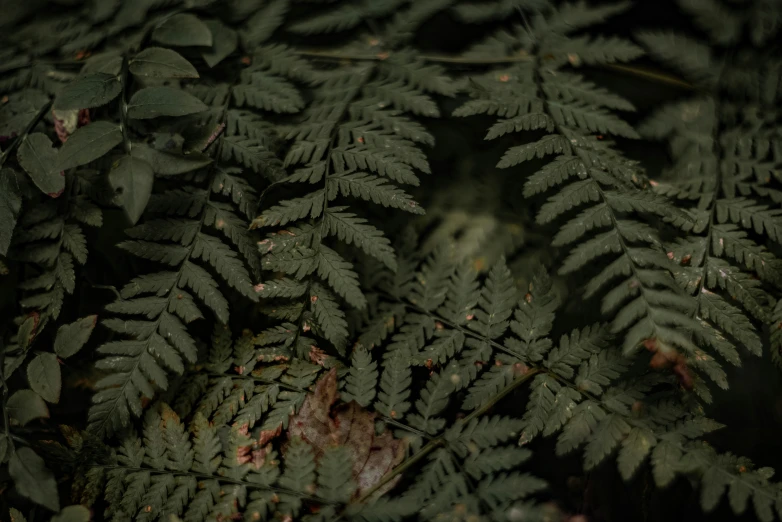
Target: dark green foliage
x=212 y=232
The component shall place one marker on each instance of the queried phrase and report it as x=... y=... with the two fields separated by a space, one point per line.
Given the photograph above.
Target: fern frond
x=155 y=346
x=53 y=241
x=350 y=128
x=482 y=12
x=725 y=270
x=589 y=175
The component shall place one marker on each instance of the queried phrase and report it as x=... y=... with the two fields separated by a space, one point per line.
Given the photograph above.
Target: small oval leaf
x=33 y=479
x=88 y=91
x=168 y=164
x=76 y=513
x=72 y=337
x=224 y=42
x=10 y=206
x=132 y=181
x=40 y=160
x=26 y=405
x=43 y=374
x=3 y=447
x=163 y=101
x=156 y=62
x=89 y=143
x=109 y=62
x=183 y=30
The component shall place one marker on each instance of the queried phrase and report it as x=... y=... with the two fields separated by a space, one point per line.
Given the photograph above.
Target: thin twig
x=652 y=75
x=381 y=56
x=110 y=288
x=504 y=393
x=404 y=466
x=127 y=144
x=30 y=126
x=466 y=60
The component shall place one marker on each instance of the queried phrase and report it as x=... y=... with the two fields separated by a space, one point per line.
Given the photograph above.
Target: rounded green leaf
x=10 y=205
x=92 y=90
x=163 y=101
x=43 y=373
x=40 y=160
x=156 y=62
x=75 y=513
x=168 y=164
x=224 y=42
x=26 y=405
x=33 y=479
x=26 y=333
x=183 y=30
x=3 y=447
x=89 y=143
x=72 y=337
x=132 y=180
x=109 y=62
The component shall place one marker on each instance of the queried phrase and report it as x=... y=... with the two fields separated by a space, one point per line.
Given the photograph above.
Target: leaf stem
x=251 y=377
x=218 y=478
x=123 y=107
x=450 y=324
x=30 y=126
x=404 y=466
x=651 y=75
x=503 y=393
x=656 y=76
x=6 y=393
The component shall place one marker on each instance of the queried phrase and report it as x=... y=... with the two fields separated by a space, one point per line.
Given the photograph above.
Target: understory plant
x=386 y=260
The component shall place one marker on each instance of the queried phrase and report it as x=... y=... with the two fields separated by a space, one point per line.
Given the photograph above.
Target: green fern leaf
x=267 y=92
x=340 y=276
x=575 y=348
x=206 y=288
x=329 y=317
x=352 y=229
x=395 y=382
x=551 y=144
x=362 y=379
x=598 y=49
x=253 y=154
x=335 y=479
x=299 y=474
x=226 y=263
x=608 y=435
x=371 y=188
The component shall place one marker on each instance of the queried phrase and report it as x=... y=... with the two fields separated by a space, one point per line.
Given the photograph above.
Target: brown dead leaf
x=313 y=422
x=350 y=425
x=267 y=436
x=318 y=356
